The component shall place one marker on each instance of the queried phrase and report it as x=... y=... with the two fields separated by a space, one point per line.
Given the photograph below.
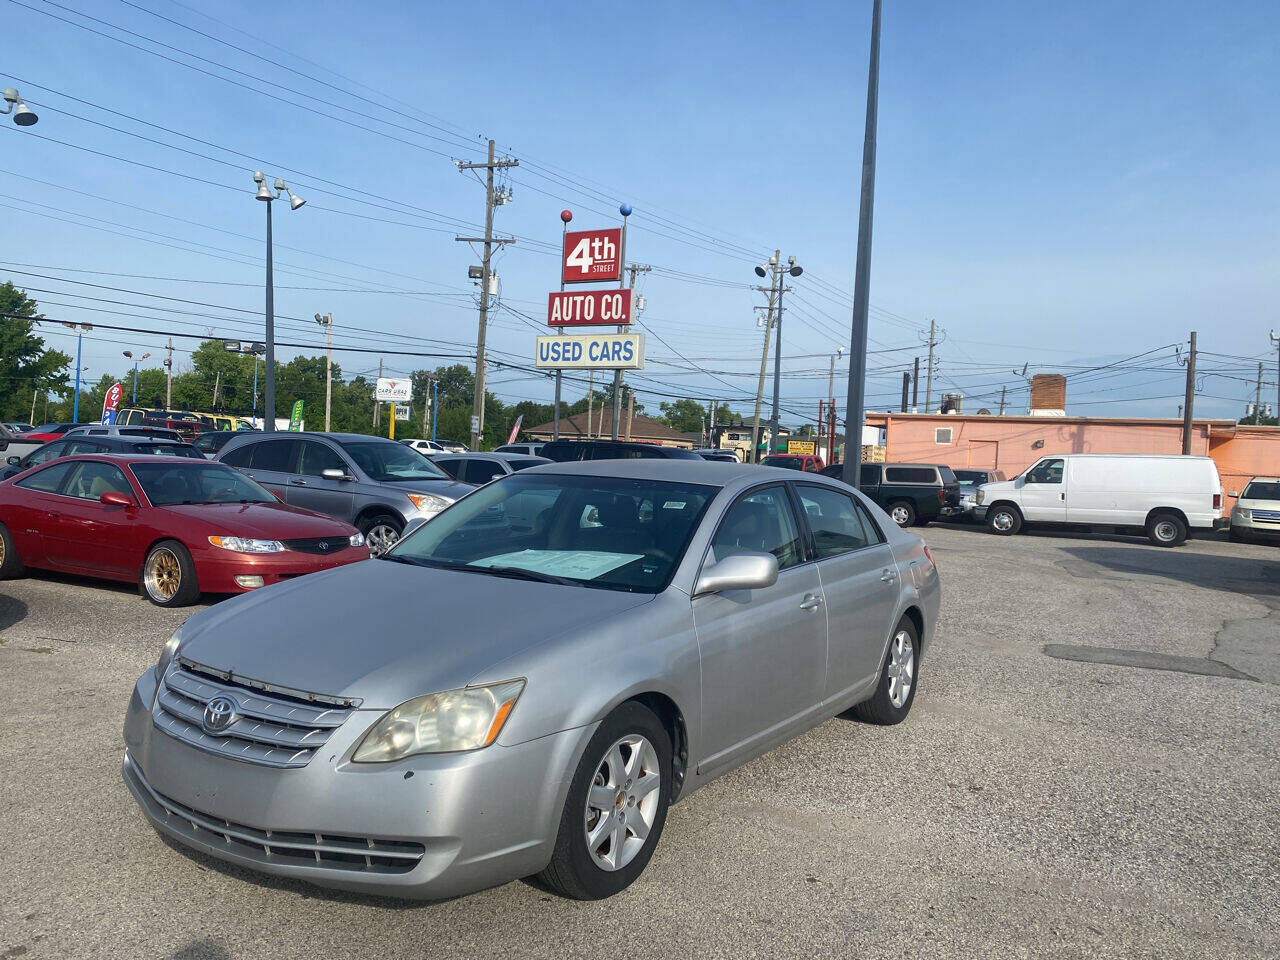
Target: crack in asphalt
x=1119 y=657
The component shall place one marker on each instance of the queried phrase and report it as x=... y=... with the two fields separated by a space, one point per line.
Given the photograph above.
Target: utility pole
x=168 y=377
x=928 y=381
x=1257 y=399
x=781 y=280
x=217 y=382
x=591 y=389
x=764 y=365
x=711 y=429
x=327 y=322
x=34 y=393
x=855 y=404
x=377 y=404
x=1188 y=406
x=492 y=198
x=906 y=387
x=633 y=269
x=1276 y=340
x=915 y=387
x=1002 y=392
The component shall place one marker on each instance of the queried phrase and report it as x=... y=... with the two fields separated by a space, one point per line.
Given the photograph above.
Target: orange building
x=1012 y=444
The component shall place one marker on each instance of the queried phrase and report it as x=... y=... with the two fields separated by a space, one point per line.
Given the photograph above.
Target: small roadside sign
x=402 y=412
x=589 y=308
x=393 y=391
x=801 y=447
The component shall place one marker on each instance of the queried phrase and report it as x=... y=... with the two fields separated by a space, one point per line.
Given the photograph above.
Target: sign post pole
x=565 y=217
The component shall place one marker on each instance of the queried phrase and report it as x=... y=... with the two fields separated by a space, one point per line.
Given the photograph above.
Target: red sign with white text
x=592 y=255
x=111 y=402
x=589 y=308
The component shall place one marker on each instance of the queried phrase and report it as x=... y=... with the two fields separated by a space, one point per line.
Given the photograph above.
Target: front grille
x=273 y=729
x=298 y=847
x=1270 y=516
x=318 y=544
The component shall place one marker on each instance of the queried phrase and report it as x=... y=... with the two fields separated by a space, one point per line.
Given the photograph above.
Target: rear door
x=271 y=464
x=1044 y=491
x=310 y=489
x=859 y=584
x=480 y=470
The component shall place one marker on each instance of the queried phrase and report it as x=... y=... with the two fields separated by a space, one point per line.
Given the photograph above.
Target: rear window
x=911 y=475
x=786 y=463
x=946 y=474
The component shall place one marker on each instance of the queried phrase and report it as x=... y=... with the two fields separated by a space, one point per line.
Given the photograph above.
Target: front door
x=859 y=584
x=310 y=489
x=763 y=651
x=98 y=537
x=1044 y=491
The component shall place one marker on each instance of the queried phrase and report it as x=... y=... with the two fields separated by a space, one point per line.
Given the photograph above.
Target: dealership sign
x=394 y=391
x=591 y=351
x=111 y=402
x=589 y=308
x=591 y=256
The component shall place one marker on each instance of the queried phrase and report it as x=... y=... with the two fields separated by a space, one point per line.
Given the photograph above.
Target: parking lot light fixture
x=267 y=194
x=23 y=115
x=136 y=361
x=81 y=329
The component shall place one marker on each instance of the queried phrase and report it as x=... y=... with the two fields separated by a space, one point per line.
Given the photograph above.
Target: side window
x=760 y=522
x=872 y=529
x=274 y=455
x=834 y=520
x=50 y=451
x=92 y=479
x=482 y=471
x=910 y=475
x=239 y=457
x=315 y=458
x=870 y=474
x=83 y=446
x=450 y=465
x=1046 y=471
x=47 y=480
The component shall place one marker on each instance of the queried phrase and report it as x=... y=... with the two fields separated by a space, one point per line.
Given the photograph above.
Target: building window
x=942 y=435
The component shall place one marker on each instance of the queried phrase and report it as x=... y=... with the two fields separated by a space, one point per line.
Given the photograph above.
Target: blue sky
x=1061 y=185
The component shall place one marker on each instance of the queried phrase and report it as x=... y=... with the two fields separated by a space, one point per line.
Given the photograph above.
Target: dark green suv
x=909 y=492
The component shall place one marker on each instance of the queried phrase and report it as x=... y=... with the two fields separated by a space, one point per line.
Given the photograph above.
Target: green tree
x=27 y=366
x=684 y=415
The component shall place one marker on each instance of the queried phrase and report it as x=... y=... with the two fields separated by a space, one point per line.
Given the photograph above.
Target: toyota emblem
x=324 y=545
x=219 y=714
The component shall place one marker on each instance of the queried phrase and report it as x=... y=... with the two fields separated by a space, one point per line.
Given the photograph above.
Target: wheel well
x=673 y=720
x=149 y=548
x=1157 y=511
x=373 y=511
x=917 y=620
x=1005 y=503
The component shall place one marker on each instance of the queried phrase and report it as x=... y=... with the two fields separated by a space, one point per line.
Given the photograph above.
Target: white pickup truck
x=1167 y=496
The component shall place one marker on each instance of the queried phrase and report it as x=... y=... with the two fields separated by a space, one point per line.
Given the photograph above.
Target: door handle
x=1062 y=496
x=888 y=575
x=810 y=602
x=294 y=481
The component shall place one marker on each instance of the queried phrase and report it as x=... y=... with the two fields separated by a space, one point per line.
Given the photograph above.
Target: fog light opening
x=249 y=581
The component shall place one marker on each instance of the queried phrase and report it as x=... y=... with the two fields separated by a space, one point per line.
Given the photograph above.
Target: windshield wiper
x=411 y=561
x=520 y=573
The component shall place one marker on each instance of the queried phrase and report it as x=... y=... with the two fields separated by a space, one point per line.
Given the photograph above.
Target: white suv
x=1257 y=512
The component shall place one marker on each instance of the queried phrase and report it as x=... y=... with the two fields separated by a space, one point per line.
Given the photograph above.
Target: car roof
x=718 y=473
x=1265 y=479
x=132 y=458
x=493 y=454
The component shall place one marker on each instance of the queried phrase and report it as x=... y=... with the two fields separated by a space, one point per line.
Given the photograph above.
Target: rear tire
x=381 y=532
x=1004 y=520
x=576 y=869
x=10 y=564
x=1166 y=530
x=901 y=668
x=169 y=575
x=902 y=512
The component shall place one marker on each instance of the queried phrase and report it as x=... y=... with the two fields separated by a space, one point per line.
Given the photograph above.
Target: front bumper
x=217 y=574
x=427 y=827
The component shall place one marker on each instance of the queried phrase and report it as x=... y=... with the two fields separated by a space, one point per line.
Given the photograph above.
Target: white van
x=1167 y=496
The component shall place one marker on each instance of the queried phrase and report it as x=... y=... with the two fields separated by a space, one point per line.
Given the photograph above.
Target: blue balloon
x=625 y=209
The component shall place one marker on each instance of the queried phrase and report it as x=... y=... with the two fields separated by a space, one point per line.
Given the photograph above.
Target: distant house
x=639 y=428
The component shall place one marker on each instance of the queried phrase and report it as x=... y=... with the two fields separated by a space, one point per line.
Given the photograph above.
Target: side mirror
x=334 y=474
x=742 y=571
x=1233 y=493
x=114 y=498
x=14 y=461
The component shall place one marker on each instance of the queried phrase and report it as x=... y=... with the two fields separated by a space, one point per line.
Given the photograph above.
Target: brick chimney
x=1048 y=395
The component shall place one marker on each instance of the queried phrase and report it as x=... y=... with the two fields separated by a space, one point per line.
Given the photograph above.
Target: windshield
x=603 y=532
x=167 y=450
x=389 y=461
x=1262 y=490
x=169 y=484
x=967 y=478
x=787 y=463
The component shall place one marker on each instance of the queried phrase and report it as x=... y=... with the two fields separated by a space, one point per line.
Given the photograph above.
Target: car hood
x=444 y=487
x=266 y=521
x=1255 y=504
x=386 y=632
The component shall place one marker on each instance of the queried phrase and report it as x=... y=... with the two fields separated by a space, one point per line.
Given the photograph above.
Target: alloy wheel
x=622 y=802
x=381 y=538
x=901 y=668
x=162 y=575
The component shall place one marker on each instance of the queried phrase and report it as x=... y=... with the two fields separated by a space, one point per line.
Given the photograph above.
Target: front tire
x=899 y=674
x=616 y=807
x=1166 y=530
x=169 y=575
x=10 y=564
x=1004 y=520
x=902 y=512
x=381 y=532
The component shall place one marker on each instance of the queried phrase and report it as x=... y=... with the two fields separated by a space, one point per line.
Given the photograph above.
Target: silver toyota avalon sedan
x=523 y=685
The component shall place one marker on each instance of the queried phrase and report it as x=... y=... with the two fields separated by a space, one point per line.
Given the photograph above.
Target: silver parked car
x=480 y=468
x=605 y=637
x=375 y=484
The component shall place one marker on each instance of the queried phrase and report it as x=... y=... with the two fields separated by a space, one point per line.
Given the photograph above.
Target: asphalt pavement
x=1090 y=769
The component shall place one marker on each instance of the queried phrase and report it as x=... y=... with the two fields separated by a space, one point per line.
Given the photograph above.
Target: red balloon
x=566 y=215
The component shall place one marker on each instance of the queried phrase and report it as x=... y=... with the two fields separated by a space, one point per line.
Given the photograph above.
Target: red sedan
x=177 y=527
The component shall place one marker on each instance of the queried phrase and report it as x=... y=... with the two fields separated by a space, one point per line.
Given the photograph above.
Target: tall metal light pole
x=269 y=391
x=327 y=322
x=831 y=399
x=81 y=329
x=855 y=412
x=136 y=361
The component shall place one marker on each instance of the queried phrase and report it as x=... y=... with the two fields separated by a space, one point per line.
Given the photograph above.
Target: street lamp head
x=839 y=352
x=128 y=353
x=264 y=192
x=796 y=269
x=761 y=271
x=144 y=356
x=23 y=115
x=295 y=201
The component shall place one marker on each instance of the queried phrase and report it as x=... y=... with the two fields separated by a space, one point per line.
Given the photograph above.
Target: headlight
x=428 y=502
x=465 y=719
x=166 y=654
x=247 y=545
x=1244 y=514
x=357 y=540
x=979 y=496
